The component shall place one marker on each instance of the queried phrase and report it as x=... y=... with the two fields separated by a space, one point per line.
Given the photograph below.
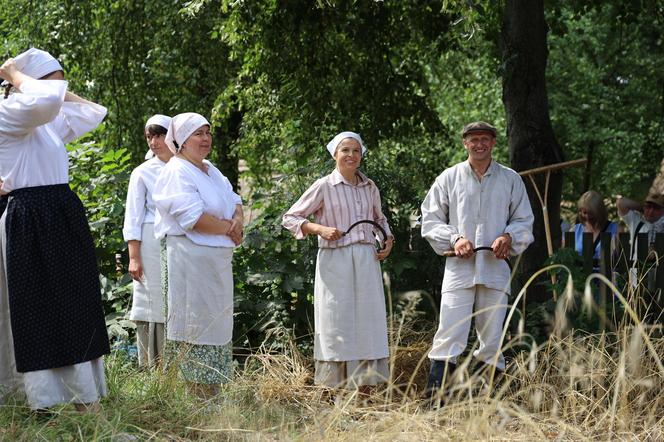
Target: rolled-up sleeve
x=179 y=198
x=309 y=203
x=38 y=103
x=134 y=208
x=521 y=218
x=435 y=218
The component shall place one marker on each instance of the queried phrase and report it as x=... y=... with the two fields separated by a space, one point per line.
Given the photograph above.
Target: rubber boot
x=435 y=380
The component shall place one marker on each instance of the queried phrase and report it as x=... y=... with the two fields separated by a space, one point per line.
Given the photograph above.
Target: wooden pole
x=530 y=173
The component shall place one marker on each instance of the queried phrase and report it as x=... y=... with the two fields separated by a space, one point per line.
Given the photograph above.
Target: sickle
x=451 y=254
x=373 y=223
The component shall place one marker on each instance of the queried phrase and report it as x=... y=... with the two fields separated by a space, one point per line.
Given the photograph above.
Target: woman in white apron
x=200 y=216
x=147 y=309
x=350 y=340
x=52 y=328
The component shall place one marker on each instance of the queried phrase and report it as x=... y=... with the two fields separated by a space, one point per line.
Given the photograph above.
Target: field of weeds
x=574 y=386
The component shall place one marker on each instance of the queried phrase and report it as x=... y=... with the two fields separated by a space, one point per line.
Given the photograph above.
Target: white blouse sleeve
x=76 y=119
x=38 y=103
x=234 y=197
x=178 y=196
x=135 y=207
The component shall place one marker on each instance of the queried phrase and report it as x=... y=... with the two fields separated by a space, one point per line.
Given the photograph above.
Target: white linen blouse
x=35 y=125
x=459 y=204
x=184 y=192
x=140 y=208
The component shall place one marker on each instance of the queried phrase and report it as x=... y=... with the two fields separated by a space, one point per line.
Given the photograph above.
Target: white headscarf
x=332 y=145
x=159 y=120
x=36 y=63
x=181 y=127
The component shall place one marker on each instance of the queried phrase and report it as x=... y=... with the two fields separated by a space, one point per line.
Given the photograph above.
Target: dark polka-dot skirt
x=55 y=304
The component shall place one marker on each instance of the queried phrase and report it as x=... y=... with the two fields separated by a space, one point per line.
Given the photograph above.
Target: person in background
x=350 y=321
x=201 y=218
x=147 y=309
x=648 y=218
x=593 y=218
x=52 y=328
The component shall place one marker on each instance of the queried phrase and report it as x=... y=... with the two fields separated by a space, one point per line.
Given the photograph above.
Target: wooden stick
x=552 y=167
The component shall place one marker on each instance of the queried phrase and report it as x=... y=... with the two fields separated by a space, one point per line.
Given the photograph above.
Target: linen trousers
x=456 y=313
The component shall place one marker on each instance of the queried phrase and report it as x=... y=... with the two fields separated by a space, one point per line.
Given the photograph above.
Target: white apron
x=148 y=301
x=200 y=292
x=349 y=305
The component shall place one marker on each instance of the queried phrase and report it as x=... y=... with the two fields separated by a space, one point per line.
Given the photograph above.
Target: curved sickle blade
x=373 y=223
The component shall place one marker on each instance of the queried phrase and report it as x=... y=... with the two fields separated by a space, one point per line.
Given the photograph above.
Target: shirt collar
x=493 y=166
x=336 y=177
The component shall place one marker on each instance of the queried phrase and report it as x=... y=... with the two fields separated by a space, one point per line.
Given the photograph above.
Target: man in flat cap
x=478 y=202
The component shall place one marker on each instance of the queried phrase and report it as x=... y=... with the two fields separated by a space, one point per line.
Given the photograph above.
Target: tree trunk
x=532 y=142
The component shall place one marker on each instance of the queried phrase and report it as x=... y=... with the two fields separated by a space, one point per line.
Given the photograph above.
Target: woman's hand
x=236 y=231
x=330 y=233
x=8 y=70
x=389 y=243
x=136 y=269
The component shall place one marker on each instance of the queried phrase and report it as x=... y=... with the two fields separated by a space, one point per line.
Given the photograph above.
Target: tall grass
x=574 y=386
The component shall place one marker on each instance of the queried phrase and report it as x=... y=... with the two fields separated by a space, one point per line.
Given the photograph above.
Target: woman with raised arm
x=350 y=340
x=52 y=328
x=147 y=309
x=201 y=218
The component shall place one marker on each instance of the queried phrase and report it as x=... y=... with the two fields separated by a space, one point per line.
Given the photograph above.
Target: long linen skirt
x=148 y=307
x=79 y=383
x=350 y=339
x=198 y=285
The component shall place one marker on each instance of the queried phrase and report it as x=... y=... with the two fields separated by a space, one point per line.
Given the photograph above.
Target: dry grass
x=573 y=387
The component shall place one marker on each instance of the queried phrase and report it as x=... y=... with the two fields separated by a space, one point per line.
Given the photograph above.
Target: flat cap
x=478 y=126
x=655 y=198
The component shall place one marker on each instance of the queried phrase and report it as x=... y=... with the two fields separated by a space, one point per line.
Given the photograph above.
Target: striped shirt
x=334 y=202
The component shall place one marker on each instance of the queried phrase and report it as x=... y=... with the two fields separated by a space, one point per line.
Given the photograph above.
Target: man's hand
x=501 y=246
x=463 y=248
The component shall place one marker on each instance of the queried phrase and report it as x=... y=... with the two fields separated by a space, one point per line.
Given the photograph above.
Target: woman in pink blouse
x=350 y=339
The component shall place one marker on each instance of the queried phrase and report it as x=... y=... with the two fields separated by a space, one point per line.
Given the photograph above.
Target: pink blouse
x=334 y=202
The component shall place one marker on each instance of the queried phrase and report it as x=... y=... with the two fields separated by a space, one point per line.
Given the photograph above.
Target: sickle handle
x=451 y=254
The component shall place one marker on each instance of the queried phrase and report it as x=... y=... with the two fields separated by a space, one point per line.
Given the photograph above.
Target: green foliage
x=605 y=82
x=280 y=78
